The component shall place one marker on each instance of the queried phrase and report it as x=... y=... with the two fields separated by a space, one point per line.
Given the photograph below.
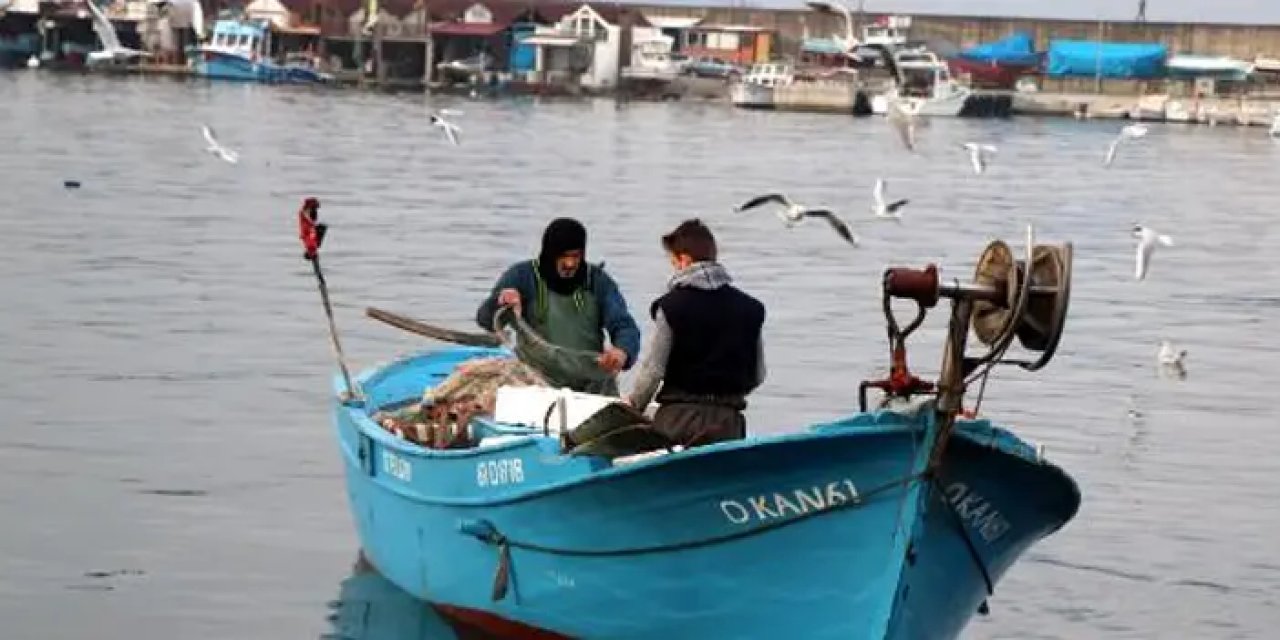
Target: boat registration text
x=773 y=506
x=977 y=512
x=491 y=473
x=396 y=466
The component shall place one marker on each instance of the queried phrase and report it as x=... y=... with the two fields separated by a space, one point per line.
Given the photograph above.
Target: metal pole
x=1097 y=64
x=951 y=380
x=379 y=63
x=431 y=45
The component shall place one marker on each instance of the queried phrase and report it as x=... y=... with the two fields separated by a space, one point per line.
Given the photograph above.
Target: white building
x=596 y=27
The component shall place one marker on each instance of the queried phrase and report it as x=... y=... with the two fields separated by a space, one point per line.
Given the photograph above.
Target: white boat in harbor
x=755 y=90
x=779 y=85
x=926 y=83
x=1189 y=65
x=652 y=59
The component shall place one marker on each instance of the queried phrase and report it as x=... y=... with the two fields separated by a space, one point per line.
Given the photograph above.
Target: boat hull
x=826 y=532
x=225 y=66
x=946 y=102
x=750 y=95
x=988 y=75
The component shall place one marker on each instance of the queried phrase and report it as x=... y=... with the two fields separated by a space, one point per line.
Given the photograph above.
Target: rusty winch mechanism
x=1008 y=298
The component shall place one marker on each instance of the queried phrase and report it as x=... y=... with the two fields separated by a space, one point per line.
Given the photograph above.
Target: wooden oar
x=431 y=331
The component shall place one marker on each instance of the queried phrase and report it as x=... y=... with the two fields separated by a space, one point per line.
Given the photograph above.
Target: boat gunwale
x=358 y=414
x=607 y=474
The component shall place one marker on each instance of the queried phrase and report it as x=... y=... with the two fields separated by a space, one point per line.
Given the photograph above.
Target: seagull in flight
x=1147 y=240
x=792 y=214
x=904 y=115
x=883 y=209
x=1130 y=132
x=451 y=130
x=978 y=155
x=112 y=50
x=1172 y=359
x=216 y=148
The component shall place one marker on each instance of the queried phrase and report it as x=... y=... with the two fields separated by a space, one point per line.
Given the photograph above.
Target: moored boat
x=925 y=81
x=998 y=64
x=755 y=89
x=892 y=522
x=241 y=50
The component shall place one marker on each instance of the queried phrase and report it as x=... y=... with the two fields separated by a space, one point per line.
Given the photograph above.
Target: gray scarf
x=700 y=275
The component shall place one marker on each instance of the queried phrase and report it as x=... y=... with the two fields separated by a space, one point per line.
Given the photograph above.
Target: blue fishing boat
x=896 y=521
x=16 y=49
x=241 y=50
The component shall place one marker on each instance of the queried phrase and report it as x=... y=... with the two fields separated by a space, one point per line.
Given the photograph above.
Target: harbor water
x=167 y=468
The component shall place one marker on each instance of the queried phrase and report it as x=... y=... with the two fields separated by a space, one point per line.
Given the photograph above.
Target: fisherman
x=705 y=349
x=569 y=302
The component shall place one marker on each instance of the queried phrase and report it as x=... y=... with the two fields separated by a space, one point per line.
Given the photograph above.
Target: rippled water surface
x=166 y=466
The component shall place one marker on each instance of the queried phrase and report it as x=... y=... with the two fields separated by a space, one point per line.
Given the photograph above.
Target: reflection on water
x=371 y=608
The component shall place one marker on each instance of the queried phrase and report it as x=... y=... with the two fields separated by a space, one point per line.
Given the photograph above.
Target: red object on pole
x=310 y=230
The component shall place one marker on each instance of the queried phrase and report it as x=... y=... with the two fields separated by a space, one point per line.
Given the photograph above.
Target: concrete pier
x=1240 y=110
x=822 y=97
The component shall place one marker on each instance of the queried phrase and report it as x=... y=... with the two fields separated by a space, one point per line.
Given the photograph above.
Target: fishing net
x=440 y=420
x=559 y=366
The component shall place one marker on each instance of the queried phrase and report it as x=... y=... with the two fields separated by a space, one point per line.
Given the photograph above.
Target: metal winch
x=1007 y=298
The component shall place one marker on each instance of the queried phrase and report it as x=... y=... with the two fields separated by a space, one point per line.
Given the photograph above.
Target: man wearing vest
x=568 y=301
x=706 y=348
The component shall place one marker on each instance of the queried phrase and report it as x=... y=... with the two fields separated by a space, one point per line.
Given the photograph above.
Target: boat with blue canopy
x=1016 y=50
x=566 y=515
x=241 y=50
x=1108 y=60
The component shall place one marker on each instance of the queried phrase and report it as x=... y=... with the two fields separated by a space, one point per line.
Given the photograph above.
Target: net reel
x=1009 y=299
x=1034 y=307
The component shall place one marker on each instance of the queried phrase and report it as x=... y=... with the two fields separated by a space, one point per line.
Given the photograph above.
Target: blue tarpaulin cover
x=1016 y=49
x=821 y=45
x=1108 y=59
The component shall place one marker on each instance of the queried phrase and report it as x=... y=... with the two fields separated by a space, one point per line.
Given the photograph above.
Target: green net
x=440 y=420
x=559 y=366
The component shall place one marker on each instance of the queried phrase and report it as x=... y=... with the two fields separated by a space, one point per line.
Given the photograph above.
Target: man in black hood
x=569 y=301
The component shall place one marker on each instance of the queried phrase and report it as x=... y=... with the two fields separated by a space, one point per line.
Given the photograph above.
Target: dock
x=1238 y=110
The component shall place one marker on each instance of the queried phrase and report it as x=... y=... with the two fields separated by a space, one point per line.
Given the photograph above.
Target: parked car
x=712 y=68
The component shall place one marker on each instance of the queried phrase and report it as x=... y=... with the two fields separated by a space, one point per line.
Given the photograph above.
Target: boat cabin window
x=918 y=81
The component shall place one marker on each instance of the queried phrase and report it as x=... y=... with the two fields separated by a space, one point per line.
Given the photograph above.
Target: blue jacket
x=614 y=315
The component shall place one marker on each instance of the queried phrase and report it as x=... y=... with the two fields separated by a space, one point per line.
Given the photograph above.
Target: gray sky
x=1245 y=11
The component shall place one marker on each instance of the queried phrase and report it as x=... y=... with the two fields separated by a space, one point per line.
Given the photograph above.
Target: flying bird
x=1130 y=132
x=883 y=209
x=792 y=214
x=1147 y=240
x=978 y=155
x=904 y=115
x=1168 y=355
x=451 y=130
x=1172 y=359
x=111 y=50
x=216 y=148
